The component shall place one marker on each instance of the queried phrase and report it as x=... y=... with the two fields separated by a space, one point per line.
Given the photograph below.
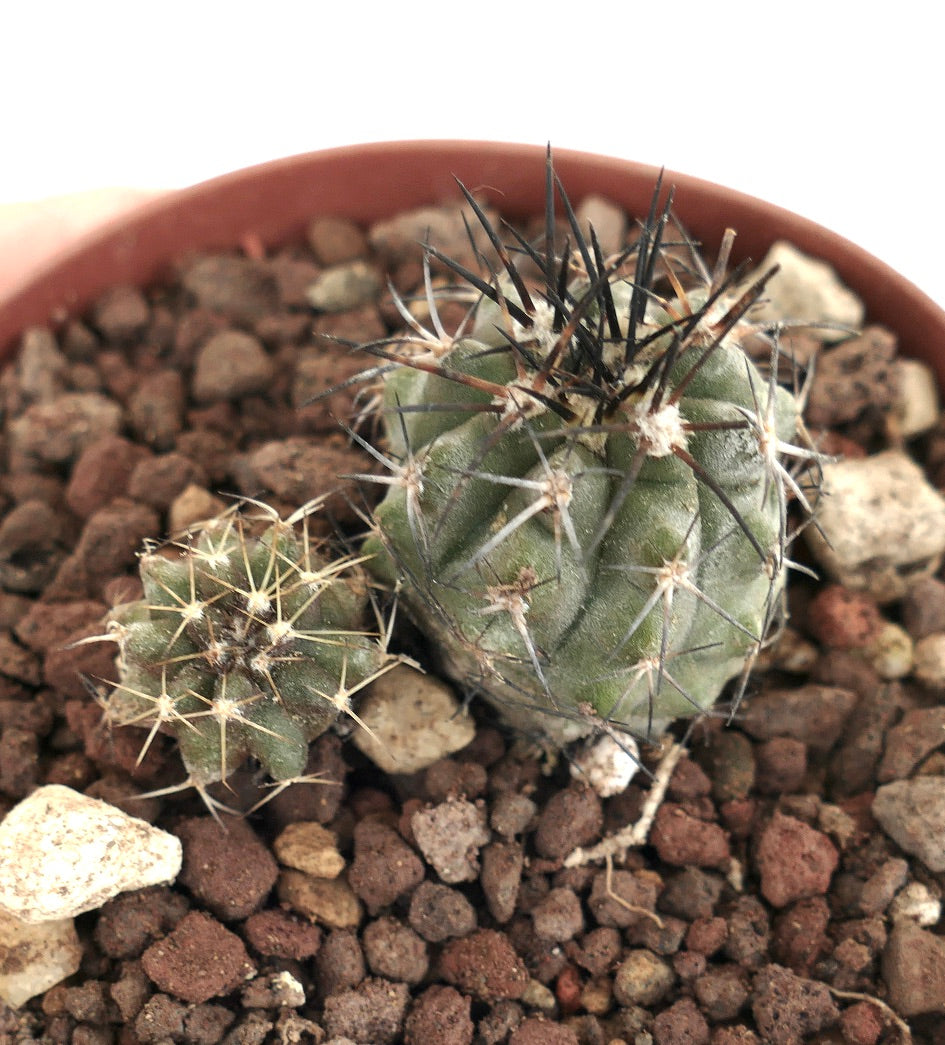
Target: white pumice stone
x=34 y=958
x=916 y=902
x=808 y=290
x=880 y=524
x=62 y=853
x=606 y=765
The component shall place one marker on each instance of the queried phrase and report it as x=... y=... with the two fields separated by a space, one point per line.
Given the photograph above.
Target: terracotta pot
x=364 y=182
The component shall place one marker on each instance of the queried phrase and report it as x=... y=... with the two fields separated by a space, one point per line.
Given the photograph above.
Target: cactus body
x=586 y=510
x=246 y=643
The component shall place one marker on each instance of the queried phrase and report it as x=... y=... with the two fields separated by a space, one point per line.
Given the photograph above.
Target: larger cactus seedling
x=587 y=502
x=246 y=643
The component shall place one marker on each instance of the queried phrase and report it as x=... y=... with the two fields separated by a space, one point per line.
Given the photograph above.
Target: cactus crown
x=247 y=642
x=586 y=506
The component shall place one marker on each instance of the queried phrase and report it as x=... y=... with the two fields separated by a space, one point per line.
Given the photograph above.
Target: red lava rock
x=501 y=876
x=65 y=665
x=511 y=814
x=914 y=970
x=339 y=964
x=843 y=618
x=800 y=934
x=794 y=860
x=538 y=1031
x=440 y=1016
x=485 y=965
x=681 y=839
x=31 y=546
x=813 y=714
x=121 y=313
x=102 y=473
x=722 y=991
x=572 y=817
x=622 y=899
x=920 y=732
x=787 y=1009
x=198 y=959
x=782 y=765
x=374 y=1011
x=851 y=376
x=394 y=951
x=597 y=950
x=689 y=780
x=226 y=866
x=156 y=408
x=230 y=365
x=130 y=922
x=748 y=932
x=568 y=989
x=923 y=607
x=861 y=1024
x=112 y=537
x=276 y=933
x=706 y=935
x=449 y=778
x=681 y=1022
x=158 y=480
x=438 y=912
x=384 y=866
x=558 y=915
x=236 y=287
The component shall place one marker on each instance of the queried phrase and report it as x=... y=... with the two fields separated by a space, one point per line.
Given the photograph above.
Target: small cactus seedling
x=246 y=643
x=587 y=494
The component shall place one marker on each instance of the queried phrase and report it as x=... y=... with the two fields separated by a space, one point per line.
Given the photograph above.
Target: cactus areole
x=586 y=505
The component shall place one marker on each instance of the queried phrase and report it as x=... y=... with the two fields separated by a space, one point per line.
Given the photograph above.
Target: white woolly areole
x=606 y=765
x=542 y=327
x=661 y=430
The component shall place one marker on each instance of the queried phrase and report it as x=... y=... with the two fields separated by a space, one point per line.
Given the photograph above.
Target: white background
x=833 y=110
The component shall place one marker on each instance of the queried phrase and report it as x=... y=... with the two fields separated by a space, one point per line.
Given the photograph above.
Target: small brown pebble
x=226 y=867
x=558 y=915
x=129 y=922
x=538 y=1031
x=198 y=959
x=682 y=840
x=787 y=1009
x=339 y=964
x=794 y=860
x=512 y=813
x=372 y=1012
x=681 y=1022
x=384 y=866
x=438 y=912
x=722 y=991
x=394 y=951
x=485 y=965
x=439 y=1016
x=275 y=933
x=501 y=877
x=571 y=817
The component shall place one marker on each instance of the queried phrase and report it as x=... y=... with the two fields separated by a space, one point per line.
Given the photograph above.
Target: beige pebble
x=808 y=290
x=413 y=720
x=929 y=660
x=916 y=406
x=193 y=505
x=309 y=847
x=34 y=958
x=328 y=901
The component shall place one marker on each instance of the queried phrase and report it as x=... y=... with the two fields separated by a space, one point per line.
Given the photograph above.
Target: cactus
x=246 y=643
x=587 y=487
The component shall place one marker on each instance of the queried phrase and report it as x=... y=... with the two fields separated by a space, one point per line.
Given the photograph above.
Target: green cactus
x=246 y=643
x=586 y=510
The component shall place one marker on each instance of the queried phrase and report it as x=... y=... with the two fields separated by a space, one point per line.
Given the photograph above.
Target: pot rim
x=275 y=200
